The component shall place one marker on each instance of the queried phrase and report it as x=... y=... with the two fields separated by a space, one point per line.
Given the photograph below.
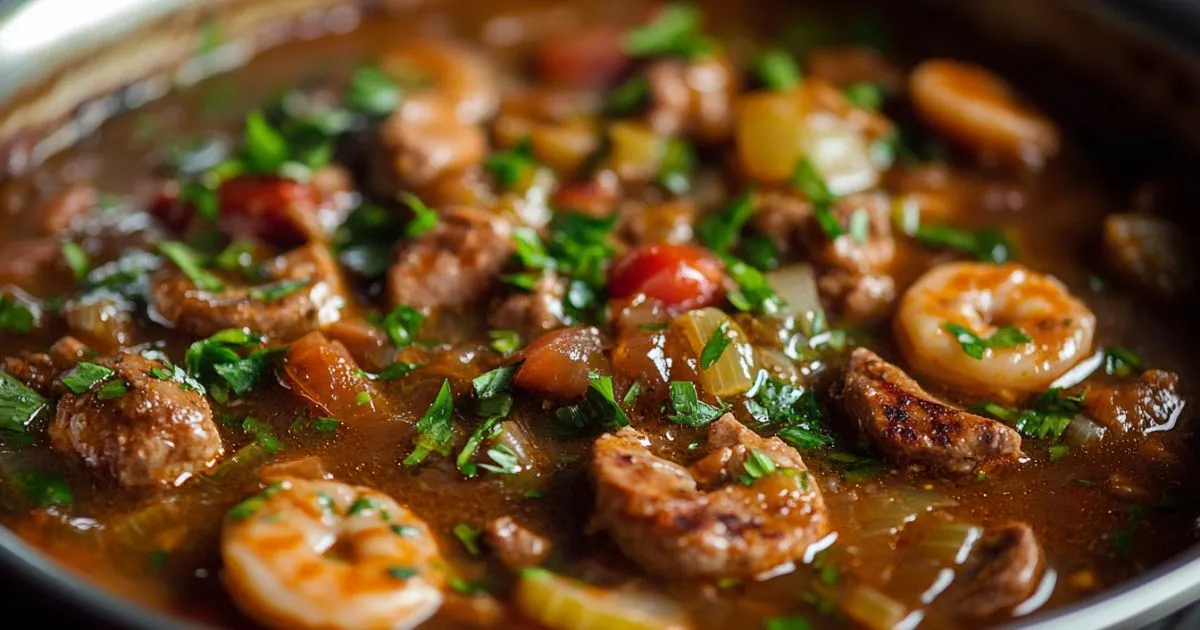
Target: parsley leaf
x=512 y=166
x=689 y=409
x=19 y=405
x=487 y=430
x=1121 y=362
x=599 y=408
x=424 y=219
x=112 y=390
x=778 y=70
x=506 y=461
x=787 y=623
x=15 y=315
x=84 y=376
x=719 y=231
x=263 y=434
x=435 y=429
x=215 y=361
x=628 y=97
x=190 y=263
x=760 y=251
x=469 y=537
x=264 y=149
x=809 y=181
x=715 y=346
x=757 y=465
x=276 y=291
x=987 y=244
x=43 y=489
x=678 y=162
x=396 y=370
x=530 y=250
x=77 y=259
x=505 y=341
x=1006 y=336
x=494 y=382
x=402 y=325
x=793 y=412
x=674 y=31
x=372 y=92
x=1050 y=414
x=865 y=95
x=753 y=293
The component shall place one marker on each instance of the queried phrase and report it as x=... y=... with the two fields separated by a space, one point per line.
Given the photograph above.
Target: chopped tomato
x=586 y=59
x=682 y=277
x=323 y=373
x=557 y=363
x=273 y=209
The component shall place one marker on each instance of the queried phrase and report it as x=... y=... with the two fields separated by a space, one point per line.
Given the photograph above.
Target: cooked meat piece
x=307 y=308
x=1005 y=568
x=282 y=211
x=59 y=212
x=1151 y=253
x=156 y=434
x=35 y=265
x=310 y=467
x=1151 y=402
x=515 y=545
x=426 y=139
x=590 y=57
x=782 y=218
x=693 y=98
x=874 y=253
x=704 y=521
x=911 y=426
x=40 y=370
x=858 y=297
x=534 y=313
x=846 y=65
x=666 y=222
x=455 y=264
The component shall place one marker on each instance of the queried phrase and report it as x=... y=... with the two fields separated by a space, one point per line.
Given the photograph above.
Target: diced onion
x=886 y=514
x=1084 y=430
x=950 y=543
x=561 y=603
x=1080 y=372
x=839 y=152
x=797 y=285
x=873 y=609
x=733 y=372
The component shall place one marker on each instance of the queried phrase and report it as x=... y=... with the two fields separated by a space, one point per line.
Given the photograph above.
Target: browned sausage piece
x=533 y=313
x=910 y=426
x=310 y=307
x=706 y=521
x=455 y=264
x=515 y=545
x=1004 y=570
x=156 y=434
x=40 y=370
x=693 y=98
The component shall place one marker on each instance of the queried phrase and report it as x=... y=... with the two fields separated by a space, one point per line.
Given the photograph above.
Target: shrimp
x=450 y=71
x=324 y=554
x=978 y=109
x=982 y=298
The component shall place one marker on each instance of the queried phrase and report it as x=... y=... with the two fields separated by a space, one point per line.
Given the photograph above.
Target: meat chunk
x=703 y=521
x=59 y=213
x=40 y=370
x=1150 y=253
x=298 y=309
x=1004 y=569
x=515 y=545
x=427 y=139
x=453 y=265
x=866 y=245
x=671 y=221
x=285 y=212
x=534 y=313
x=857 y=297
x=583 y=58
x=782 y=218
x=693 y=98
x=156 y=434
x=909 y=425
x=1151 y=402
x=35 y=265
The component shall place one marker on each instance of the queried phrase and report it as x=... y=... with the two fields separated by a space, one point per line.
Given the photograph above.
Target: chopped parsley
x=469 y=537
x=263 y=434
x=792 y=412
x=435 y=429
x=778 y=70
x=494 y=382
x=362 y=504
x=1006 y=336
x=987 y=244
x=505 y=341
x=362 y=398
x=809 y=181
x=720 y=230
x=402 y=325
x=675 y=31
x=396 y=370
x=760 y=251
x=689 y=409
x=15 y=315
x=487 y=430
x=530 y=250
x=424 y=219
x=757 y=465
x=250 y=506
x=787 y=623
x=715 y=346
x=216 y=362
x=628 y=97
x=860 y=226
x=753 y=293
x=678 y=163
x=276 y=291
x=1047 y=418
x=190 y=263
x=372 y=92
x=865 y=95
x=77 y=260
x=85 y=375
x=1059 y=451
x=598 y=408
x=513 y=166
x=19 y=406
x=505 y=461
x=402 y=573
x=264 y=149
x=43 y=489
x=1121 y=362
x=112 y=390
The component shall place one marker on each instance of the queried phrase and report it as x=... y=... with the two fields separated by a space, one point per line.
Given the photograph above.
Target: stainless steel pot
x=67 y=65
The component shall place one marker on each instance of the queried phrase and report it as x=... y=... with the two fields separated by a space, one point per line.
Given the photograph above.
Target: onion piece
x=797 y=285
x=886 y=514
x=561 y=603
x=1083 y=430
x=950 y=543
x=839 y=152
x=733 y=372
x=1080 y=372
x=875 y=610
